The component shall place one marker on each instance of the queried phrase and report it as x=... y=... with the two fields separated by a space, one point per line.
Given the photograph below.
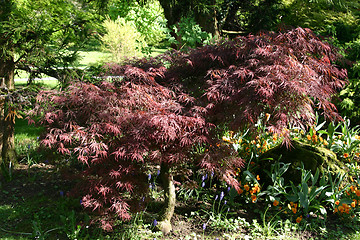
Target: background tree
x=39 y=37
x=157 y=115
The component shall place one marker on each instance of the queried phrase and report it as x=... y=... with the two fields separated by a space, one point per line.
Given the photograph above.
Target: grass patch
x=92 y=57
x=24 y=131
x=46 y=83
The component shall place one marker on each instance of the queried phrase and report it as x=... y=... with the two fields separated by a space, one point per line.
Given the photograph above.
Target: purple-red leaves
x=148 y=113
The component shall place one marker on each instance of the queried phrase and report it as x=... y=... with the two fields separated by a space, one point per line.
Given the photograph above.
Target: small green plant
x=306 y=195
x=190 y=34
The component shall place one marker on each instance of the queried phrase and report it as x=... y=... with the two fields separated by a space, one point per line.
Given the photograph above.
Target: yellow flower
x=353 y=204
x=225 y=139
x=275 y=203
x=325 y=143
x=298 y=220
x=256 y=188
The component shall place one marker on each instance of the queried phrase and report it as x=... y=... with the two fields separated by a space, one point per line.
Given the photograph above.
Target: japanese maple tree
x=156 y=111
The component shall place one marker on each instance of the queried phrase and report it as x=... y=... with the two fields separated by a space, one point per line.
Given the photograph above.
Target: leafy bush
x=148 y=18
x=190 y=34
x=122 y=39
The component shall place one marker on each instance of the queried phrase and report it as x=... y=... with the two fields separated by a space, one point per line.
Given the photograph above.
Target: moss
x=300 y=153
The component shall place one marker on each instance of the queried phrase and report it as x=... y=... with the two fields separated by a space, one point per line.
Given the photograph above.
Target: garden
x=179 y=119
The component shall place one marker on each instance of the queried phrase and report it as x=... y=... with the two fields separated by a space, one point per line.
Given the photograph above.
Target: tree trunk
x=2 y=116
x=166 y=177
x=7 y=114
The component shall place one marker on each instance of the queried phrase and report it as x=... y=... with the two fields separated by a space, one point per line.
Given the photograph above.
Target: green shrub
x=148 y=18
x=190 y=34
x=122 y=39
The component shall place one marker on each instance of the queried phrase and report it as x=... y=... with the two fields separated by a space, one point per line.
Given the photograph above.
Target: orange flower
x=253 y=198
x=246 y=187
x=275 y=203
x=257 y=177
x=240 y=191
x=308 y=137
x=256 y=188
x=337 y=202
x=341 y=209
x=353 y=204
x=293 y=210
x=357 y=192
x=298 y=220
x=346 y=155
x=267 y=117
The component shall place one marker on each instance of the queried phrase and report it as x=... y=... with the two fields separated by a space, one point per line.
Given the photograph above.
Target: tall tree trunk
x=166 y=177
x=3 y=92
x=7 y=114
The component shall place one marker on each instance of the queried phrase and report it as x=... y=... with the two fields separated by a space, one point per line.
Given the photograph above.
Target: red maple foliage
x=287 y=75
x=153 y=111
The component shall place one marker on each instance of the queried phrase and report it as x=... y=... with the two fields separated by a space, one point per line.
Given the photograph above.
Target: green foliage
x=335 y=18
x=190 y=34
x=307 y=194
x=148 y=18
x=122 y=39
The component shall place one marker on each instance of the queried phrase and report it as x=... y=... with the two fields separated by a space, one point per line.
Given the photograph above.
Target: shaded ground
x=36 y=200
